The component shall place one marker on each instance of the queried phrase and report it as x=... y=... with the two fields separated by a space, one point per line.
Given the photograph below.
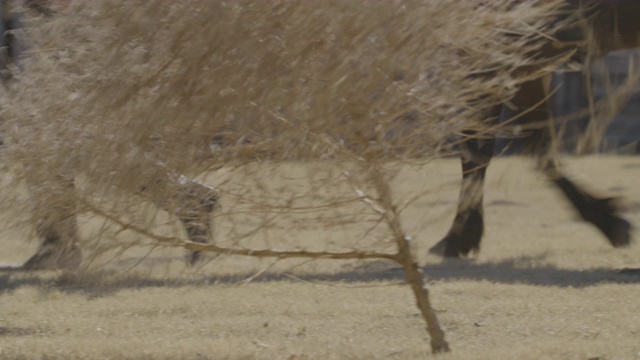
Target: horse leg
x=468 y=225
x=193 y=204
x=56 y=225
x=196 y=203
x=59 y=249
x=601 y=212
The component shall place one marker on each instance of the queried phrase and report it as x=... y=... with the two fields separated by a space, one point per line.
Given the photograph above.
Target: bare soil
x=545 y=286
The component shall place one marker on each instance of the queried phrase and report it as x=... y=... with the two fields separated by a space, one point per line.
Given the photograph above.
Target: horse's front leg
x=196 y=203
x=191 y=201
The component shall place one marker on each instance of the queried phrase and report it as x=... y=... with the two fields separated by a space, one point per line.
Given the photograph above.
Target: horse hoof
x=438 y=249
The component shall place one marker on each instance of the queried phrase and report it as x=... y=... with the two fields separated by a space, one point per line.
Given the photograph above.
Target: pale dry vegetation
x=119 y=94
x=305 y=115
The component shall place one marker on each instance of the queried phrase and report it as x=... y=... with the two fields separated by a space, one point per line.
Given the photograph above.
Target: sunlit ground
x=545 y=286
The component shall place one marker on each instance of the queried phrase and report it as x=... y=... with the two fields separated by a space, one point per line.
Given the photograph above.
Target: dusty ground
x=545 y=286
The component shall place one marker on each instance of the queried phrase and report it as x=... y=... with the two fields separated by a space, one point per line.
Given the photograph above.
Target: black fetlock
x=461 y=240
x=54 y=255
x=196 y=232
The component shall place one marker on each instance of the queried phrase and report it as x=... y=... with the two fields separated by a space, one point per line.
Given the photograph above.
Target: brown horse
x=597 y=28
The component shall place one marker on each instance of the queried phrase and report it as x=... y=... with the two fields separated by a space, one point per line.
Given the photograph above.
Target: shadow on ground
x=523 y=270
x=20 y=331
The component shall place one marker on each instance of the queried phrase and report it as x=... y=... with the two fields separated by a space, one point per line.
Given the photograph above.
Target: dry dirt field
x=545 y=286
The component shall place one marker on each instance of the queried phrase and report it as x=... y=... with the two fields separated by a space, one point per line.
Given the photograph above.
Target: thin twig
x=190 y=245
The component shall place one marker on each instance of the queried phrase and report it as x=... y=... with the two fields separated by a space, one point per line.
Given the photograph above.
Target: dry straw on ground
x=126 y=95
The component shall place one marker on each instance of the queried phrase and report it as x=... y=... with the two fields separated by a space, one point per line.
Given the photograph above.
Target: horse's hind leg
x=59 y=249
x=56 y=224
x=603 y=213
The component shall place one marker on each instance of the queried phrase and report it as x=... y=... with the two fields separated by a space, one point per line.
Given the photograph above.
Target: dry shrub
x=124 y=93
x=129 y=95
